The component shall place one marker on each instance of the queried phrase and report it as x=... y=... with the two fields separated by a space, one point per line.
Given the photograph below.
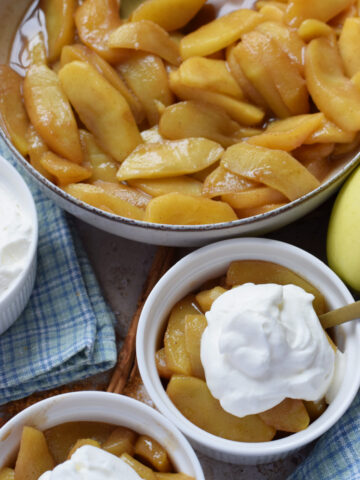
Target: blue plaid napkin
x=336 y=456
x=66 y=332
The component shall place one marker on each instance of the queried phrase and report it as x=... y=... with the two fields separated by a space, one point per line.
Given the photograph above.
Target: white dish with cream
x=211 y=262
x=18 y=243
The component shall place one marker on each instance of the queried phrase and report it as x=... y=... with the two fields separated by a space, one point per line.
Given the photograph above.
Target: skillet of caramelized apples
x=40 y=452
x=181 y=370
x=162 y=114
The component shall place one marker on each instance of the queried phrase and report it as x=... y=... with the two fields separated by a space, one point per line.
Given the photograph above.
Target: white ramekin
x=211 y=262
x=16 y=298
x=101 y=407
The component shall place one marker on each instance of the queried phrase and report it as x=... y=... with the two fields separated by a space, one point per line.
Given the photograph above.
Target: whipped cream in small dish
x=264 y=343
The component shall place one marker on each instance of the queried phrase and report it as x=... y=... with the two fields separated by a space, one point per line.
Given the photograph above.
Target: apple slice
x=194 y=400
x=275 y=168
x=147 y=36
x=60 y=25
x=169 y=14
x=95 y=20
x=170 y=158
x=13 y=117
x=50 y=112
x=101 y=108
x=178 y=209
x=333 y=93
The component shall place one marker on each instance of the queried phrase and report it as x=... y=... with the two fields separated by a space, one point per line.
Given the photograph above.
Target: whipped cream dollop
x=264 y=343
x=15 y=240
x=92 y=463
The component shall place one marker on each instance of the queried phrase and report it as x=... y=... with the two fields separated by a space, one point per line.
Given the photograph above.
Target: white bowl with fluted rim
x=15 y=298
x=211 y=262
x=11 y=15
x=111 y=408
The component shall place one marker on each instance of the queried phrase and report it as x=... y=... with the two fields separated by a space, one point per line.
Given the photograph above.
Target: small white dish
x=211 y=262
x=14 y=300
x=101 y=407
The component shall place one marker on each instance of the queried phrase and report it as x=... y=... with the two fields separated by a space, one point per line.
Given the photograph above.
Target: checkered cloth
x=336 y=456
x=66 y=332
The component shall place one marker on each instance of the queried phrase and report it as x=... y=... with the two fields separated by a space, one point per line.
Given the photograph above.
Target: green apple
x=343 y=238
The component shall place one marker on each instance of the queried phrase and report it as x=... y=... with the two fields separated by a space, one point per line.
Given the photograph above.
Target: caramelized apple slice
x=289 y=416
x=349 y=45
x=219 y=34
x=177 y=358
x=288 y=40
x=169 y=158
x=194 y=328
x=289 y=133
x=178 y=209
x=206 y=298
x=102 y=166
x=242 y=112
x=328 y=132
x=249 y=54
x=147 y=36
x=333 y=93
x=194 y=400
x=169 y=14
x=82 y=53
x=36 y=148
x=147 y=77
x=63 y=170
x=315 y=409
x=161 y=186
x=121 y=440
x=256 y=271
x=255 y=197
x=81 y=443
x=34 y=457
x=312 y=28
x=271 y=11
x=95 y=20
x=50 y=112
x=101 y=108
x=60 y=25
x=253 y=211
x=250 y=92
x=161 y=365
x=299 y=10
x=197 y=119
x=132 y=195
x=275 y=168
x=97 y=197
x=286 y=76
x=13 y=117
x=150 y=452
x=209 y=74
x=222 y=182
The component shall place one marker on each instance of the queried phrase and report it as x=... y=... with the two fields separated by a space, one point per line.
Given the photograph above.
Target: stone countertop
x=122 y=266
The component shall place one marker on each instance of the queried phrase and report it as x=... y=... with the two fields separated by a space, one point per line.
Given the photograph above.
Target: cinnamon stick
x=161 y=263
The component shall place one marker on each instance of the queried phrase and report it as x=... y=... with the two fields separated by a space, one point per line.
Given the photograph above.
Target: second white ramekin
x=211 y=262
x=101 y=407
